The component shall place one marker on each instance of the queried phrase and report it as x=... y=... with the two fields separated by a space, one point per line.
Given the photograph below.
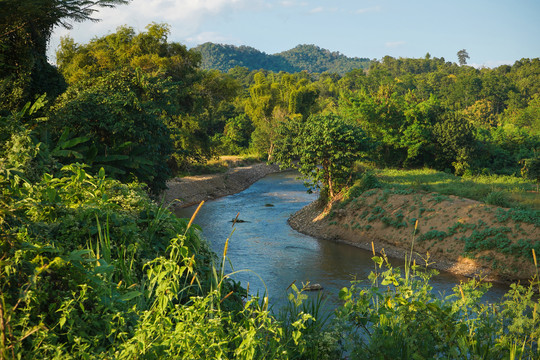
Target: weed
x=433 y=234
x=498 y=198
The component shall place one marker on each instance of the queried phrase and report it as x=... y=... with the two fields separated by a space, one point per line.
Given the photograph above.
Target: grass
x=508 y=191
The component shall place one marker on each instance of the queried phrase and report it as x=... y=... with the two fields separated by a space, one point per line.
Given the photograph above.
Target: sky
x=493 y=32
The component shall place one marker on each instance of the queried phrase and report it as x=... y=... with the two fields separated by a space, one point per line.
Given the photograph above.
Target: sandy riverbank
x=189 y=190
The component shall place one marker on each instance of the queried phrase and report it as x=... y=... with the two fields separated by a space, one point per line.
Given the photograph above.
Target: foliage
x=309 y=58
x=236 y=135
x=123 y=118
x=402 y=126
x=399 y=317
x=462 y=57
x=148 y=51
x=25 y=30
x=195 y=105
x=367 y=181
x=531 y=169
x=455 y=144
x=327 y=141
x=321 y=335
x=74 y=250
x=274 y=101
x=18 y=149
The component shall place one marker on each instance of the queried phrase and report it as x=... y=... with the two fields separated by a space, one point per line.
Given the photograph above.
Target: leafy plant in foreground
x=399 y=317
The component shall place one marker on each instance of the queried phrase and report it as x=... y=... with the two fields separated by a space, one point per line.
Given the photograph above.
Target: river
x=267 y=246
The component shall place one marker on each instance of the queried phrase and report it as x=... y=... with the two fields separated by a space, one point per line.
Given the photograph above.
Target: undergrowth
x=92 y=268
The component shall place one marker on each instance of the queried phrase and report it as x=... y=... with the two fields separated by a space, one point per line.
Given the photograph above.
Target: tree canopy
x=25 y=30
x=310 y=58
x=326 y=147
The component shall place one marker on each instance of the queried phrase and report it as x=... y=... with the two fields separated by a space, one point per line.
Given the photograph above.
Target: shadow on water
x=268 y=246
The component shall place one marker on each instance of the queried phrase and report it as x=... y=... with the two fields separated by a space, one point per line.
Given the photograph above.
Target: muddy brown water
x=270 y=249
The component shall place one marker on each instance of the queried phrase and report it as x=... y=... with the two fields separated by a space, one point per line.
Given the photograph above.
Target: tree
x=148 y=51
x=25 y=30
x=454 y=143
x=382 y=117
x=327 y=147
x=123 y=116
x=462 y=57
x=274 y=99
x=531 y=169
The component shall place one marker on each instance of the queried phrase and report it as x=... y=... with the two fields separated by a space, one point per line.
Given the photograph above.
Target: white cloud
x=316 y=10
x=208 y=36
x=289 y=3
x=368 y=10
x=173 y=10
x=492 y=64
x=394 y=43
x=184 y=16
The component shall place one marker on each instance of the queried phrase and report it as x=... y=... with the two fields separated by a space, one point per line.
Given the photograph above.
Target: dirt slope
x=460 y=235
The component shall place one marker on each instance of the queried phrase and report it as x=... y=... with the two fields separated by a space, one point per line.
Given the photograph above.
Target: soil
x=190 y=190
x=442 y=225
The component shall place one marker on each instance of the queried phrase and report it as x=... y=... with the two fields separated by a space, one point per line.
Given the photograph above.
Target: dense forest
x=92 y=267
x=308 y=58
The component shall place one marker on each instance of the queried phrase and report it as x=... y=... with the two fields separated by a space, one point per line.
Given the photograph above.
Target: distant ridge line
x=310 y=58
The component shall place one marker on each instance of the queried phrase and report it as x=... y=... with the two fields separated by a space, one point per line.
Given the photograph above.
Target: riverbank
x=461 y=236
x=190 y=190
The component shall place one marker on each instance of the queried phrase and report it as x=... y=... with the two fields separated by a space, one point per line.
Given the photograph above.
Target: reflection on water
x=266 y=244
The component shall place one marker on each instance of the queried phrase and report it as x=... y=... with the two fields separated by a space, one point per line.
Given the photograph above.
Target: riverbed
x=270 y=255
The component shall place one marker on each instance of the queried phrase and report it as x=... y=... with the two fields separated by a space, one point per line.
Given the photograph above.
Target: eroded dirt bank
x=191 y=190
x=461 y=236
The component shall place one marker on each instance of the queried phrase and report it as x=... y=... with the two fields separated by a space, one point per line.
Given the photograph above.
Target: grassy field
x=504 y=191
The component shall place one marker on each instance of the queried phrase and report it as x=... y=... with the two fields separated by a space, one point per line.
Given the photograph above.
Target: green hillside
x=303 y=57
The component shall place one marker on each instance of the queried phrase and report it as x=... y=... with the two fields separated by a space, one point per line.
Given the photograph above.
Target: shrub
x=122 y=115
x=75 y=253
x=498 y=198
x=367 y=181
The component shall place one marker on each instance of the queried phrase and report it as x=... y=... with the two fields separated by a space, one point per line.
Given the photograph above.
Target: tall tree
x=462 y=57
x=327 y=147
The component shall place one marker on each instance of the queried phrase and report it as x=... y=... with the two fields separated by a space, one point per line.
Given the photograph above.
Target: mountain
x=303 y=57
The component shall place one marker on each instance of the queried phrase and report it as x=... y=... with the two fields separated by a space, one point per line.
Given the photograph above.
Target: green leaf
x=74 y=141
x=130 y=295
x=109 y=158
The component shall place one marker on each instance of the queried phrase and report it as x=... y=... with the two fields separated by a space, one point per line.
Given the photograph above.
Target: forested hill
x=303 y=57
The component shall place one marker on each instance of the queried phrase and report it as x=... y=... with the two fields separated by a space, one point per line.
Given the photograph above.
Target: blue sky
x=493 y=32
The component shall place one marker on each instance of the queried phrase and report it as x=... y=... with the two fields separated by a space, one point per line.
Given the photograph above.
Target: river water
x=267 y=247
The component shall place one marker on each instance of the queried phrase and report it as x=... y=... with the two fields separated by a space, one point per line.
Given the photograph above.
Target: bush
x=498 y=198
x=122 y=116
x=75 y=252
x=367 y=181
